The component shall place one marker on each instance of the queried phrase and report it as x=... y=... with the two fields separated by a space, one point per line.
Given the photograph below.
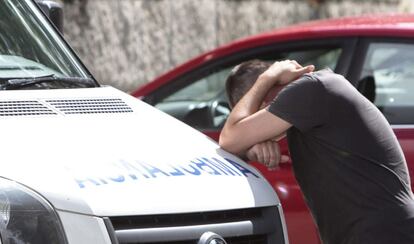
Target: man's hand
x=283 y=72
x=267 y=153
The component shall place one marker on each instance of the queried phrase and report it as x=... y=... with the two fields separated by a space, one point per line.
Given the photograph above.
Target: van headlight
x=25 y=217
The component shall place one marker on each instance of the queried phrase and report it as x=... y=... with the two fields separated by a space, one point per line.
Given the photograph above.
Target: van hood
x=101 y=152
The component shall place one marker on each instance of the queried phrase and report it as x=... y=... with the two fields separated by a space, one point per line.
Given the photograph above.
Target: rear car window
x=390 y=69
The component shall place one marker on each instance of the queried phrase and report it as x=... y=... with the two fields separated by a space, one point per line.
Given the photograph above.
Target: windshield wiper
x=12 y=84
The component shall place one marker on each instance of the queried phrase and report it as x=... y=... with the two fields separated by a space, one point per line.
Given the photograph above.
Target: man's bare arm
x=247 y=125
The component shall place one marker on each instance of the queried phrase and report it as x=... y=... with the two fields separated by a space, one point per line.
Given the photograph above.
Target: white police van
x=82 y=163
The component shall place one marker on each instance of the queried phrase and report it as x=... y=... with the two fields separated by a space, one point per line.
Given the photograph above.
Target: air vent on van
x=90 y=106
x=24 y=108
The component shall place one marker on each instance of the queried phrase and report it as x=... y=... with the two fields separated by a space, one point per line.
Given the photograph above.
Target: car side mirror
x=54 y=11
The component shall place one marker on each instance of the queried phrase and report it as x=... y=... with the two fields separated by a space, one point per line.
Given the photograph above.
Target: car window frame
x=60 y=37
x=347 y=44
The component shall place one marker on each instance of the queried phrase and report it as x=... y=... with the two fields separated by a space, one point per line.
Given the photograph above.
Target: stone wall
x=126 y=43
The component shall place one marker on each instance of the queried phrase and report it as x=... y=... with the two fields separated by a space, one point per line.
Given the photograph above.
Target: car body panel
x=81 y=169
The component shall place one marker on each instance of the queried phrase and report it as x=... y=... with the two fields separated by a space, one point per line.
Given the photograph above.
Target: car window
x=203 y=104
x=390 y=69
x=203 y=89
x=30 y=48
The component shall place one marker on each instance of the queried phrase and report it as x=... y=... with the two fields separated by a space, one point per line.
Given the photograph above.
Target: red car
x=375 y=53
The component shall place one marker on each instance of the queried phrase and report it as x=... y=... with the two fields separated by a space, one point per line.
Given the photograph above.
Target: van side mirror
x=54 y=11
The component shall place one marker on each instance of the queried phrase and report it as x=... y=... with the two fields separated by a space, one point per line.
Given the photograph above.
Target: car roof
x=371 y=25
x=395 y=25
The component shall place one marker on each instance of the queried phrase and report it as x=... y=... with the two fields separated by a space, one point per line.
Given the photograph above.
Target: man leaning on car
x=345 y=155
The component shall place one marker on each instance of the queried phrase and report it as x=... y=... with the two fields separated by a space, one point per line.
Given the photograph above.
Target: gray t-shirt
x=347 y=162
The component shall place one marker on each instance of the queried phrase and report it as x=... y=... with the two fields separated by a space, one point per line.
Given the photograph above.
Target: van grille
x=252 y=239
x=24 y=108
x=91 y=106
x=166 y=220
x=242 y=226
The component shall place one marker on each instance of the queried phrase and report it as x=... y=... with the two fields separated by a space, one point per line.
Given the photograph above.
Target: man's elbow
x=229 y=145
x=224 y=143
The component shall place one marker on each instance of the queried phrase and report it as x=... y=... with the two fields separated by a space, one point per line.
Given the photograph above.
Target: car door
x=384 y=72
x=198 y=98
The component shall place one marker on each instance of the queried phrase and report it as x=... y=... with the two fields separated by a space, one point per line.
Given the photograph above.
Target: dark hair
x=242 y=77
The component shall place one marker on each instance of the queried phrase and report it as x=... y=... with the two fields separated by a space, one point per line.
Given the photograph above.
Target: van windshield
x=30 y=47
